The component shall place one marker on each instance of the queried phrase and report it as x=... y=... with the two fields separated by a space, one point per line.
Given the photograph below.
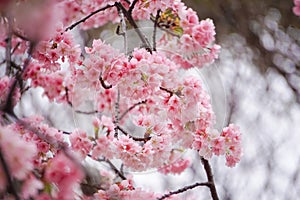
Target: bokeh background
x=260 y=68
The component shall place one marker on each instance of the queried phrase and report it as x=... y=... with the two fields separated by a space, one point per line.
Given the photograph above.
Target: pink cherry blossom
x=80 y=143
x=296 y=8
x=65 y=174
x=145 y=114
x=18 y=154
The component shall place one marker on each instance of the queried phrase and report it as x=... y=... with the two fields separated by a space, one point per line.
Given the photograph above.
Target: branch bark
x=210 y=179
x=184 y=189
x=87 y=17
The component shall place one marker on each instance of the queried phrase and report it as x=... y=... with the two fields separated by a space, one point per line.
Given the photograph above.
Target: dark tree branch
x=184 y=189
x=153 y=19
x=15 y=48
x=114 y=168
x=9 y=179
x=134 y=138
x=8 y=46
x=117 y=113
x=132 y=22
x=103 y=84
x=131 y=108
x=18 y=34
x=8 y=107
x=132 y=6
x=87 y=17
x=167 y=90
x=155 y=30
x=86 y=112
x=210 y=179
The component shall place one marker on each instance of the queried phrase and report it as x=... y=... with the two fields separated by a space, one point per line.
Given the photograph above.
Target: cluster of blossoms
x=170 y=113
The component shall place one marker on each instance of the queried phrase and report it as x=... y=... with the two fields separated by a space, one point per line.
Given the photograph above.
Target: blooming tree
x=144 y=86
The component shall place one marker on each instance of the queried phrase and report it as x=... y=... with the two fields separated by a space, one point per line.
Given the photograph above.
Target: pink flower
x=232 y=137
x=18 y=154
x=204 y=32
x=65 y=174
x=176 y=167
x=296 y=8
x=104 y=147
x=80 y=143
x=218 y=146
x=31 y=187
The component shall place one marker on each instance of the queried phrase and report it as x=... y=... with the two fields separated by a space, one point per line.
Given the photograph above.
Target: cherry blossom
x=146 y=114
x=296 y=8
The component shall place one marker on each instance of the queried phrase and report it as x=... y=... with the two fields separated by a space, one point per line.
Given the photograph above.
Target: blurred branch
x=9 y=179
x=131 y=108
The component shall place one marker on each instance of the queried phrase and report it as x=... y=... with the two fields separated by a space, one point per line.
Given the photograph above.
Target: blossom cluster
x=147 y=115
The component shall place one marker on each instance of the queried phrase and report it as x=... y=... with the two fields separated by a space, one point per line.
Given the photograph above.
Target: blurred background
x=259 y=67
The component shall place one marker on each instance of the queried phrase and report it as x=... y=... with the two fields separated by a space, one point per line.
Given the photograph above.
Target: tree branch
x=135 y=26
x=8 y=107
x=117 y=113
x=184 y=189
x=155 y=30
x=167 y=90
x=114 y=168
x=87 y=17
x=132 y=6
x=134 y=138
x=131 y=108
x=210 y=178
x=8 y=46
x=103 y=84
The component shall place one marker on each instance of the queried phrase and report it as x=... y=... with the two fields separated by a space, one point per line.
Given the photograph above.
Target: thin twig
x=9 y=102
x=18 y=34
x=103 y=84
x=210 y=179
x=15 y=48
x=87 y=112
x=155 y=30
x=132 y=107
x=184 y=189
x=114 y=168
x=132 y=6
x=117 y=113
x=135 y=26
x=8 y=176
x=134 y=138
x=167 y=90
x=152 y=18
x=8 y=46
x=87 y=17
